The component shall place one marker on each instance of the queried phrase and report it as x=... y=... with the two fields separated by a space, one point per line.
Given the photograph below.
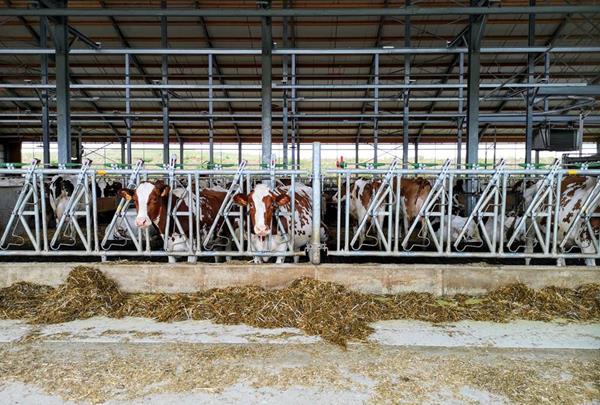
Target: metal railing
x=546 y=219
x=527 y=213
x=79 y=230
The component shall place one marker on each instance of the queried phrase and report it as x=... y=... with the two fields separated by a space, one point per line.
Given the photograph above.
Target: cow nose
x=141 y=222
x=261 y=230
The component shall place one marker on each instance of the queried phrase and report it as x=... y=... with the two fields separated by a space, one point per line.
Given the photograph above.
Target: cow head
x=149 y=199
x=261 y=203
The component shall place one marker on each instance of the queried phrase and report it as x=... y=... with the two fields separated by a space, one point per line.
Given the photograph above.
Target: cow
x=150 y=200
x=108 y=187
x=473 y=232
x=574 y=190
x=413 y=191
x=264 y=203
x=60 y=190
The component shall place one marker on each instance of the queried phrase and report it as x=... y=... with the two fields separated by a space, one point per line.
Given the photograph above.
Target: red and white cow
x=413 y=191
x=151 y=199
x=574 y=190
x=263 y=203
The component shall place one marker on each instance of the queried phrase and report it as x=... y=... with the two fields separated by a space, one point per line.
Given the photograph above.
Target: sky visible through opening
x=197 y=154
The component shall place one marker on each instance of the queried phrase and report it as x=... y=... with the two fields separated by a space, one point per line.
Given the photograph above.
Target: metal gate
x=495 y=226
x=79 y=230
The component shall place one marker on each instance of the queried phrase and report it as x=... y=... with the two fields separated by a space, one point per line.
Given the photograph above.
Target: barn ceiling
x=98 y=114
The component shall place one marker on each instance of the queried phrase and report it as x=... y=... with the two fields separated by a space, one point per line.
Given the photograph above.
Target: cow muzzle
x=261 y=231
x=142 y=222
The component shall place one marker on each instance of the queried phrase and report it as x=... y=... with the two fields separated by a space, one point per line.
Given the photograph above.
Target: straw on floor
x=319 y=308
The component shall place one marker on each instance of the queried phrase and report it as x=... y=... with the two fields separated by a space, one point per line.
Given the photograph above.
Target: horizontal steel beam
x=552 y=90
x=446 y=86
x=294 y=12
x=279 y=99
x=340 y=120
x=299 y=51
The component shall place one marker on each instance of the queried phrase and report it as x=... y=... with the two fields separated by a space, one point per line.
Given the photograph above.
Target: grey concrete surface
x=370 y=278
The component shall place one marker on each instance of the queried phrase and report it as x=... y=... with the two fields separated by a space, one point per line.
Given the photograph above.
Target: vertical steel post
x=181 y=150
x=211 y=134
x=294 y=129
x=128 y=110
x=123 y=151
x=266 y=81
x=285 y=129
x=546 y=101
x=530 y=80
x=315 y=238
x=405 y=109
x=461 y=121
x=376 y=109
x=63 y=108
x=239 y=151
x=45 y=109
x=476 y=28
x=165 y=92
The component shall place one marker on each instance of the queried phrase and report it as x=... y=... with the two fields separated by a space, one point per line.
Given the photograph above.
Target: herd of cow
x=266 y=205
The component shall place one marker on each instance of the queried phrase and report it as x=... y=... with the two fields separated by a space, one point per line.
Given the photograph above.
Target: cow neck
x=161 y=221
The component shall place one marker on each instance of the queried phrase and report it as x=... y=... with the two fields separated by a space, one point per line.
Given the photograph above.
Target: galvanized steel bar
x=165 y=93
x=405 y=94
x=211 y=133
x=530 y=80
x=297 y=12
x=44 y=99
x=266 y=86
x=315 y=239
x=302 y=51
x=128 y=159
x=63 y=107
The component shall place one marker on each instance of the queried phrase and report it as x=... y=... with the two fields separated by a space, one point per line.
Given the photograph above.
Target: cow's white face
x=148 y=199
x=144 y=193
x=261 y=202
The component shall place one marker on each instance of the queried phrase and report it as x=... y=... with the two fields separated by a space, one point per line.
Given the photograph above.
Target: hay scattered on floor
x=319 y=308
x=22 y=300
x=87 y=292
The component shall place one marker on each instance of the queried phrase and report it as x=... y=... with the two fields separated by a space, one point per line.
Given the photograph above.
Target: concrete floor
x=134 y=360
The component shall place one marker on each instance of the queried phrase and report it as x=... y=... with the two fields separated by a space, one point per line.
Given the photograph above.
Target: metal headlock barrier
x=80 y=231
x=530 y=212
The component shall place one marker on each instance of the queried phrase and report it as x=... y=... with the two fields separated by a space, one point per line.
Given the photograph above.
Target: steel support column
x=315 y=238
x=285 y=123
x=376 y=108
x=128 y=157
x=44 y=79
x=266 y=79
x=123 y=145
x=165 y=92
x=63 y=118
x=546 y=101
x=477 y=26
x=294 y=128
x=530 y=92
x=461 y=121
x=211 y=132
x=405 y=110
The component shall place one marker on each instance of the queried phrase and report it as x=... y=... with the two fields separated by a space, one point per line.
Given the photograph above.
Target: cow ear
x=126 y=193
x=282 y=199
x=165 y=191
x=240 y=199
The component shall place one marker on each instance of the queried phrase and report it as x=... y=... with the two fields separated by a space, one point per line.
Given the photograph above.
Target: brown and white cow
x=413 y=191
x=263 y=204
x=151 y=199
x=574 y=190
